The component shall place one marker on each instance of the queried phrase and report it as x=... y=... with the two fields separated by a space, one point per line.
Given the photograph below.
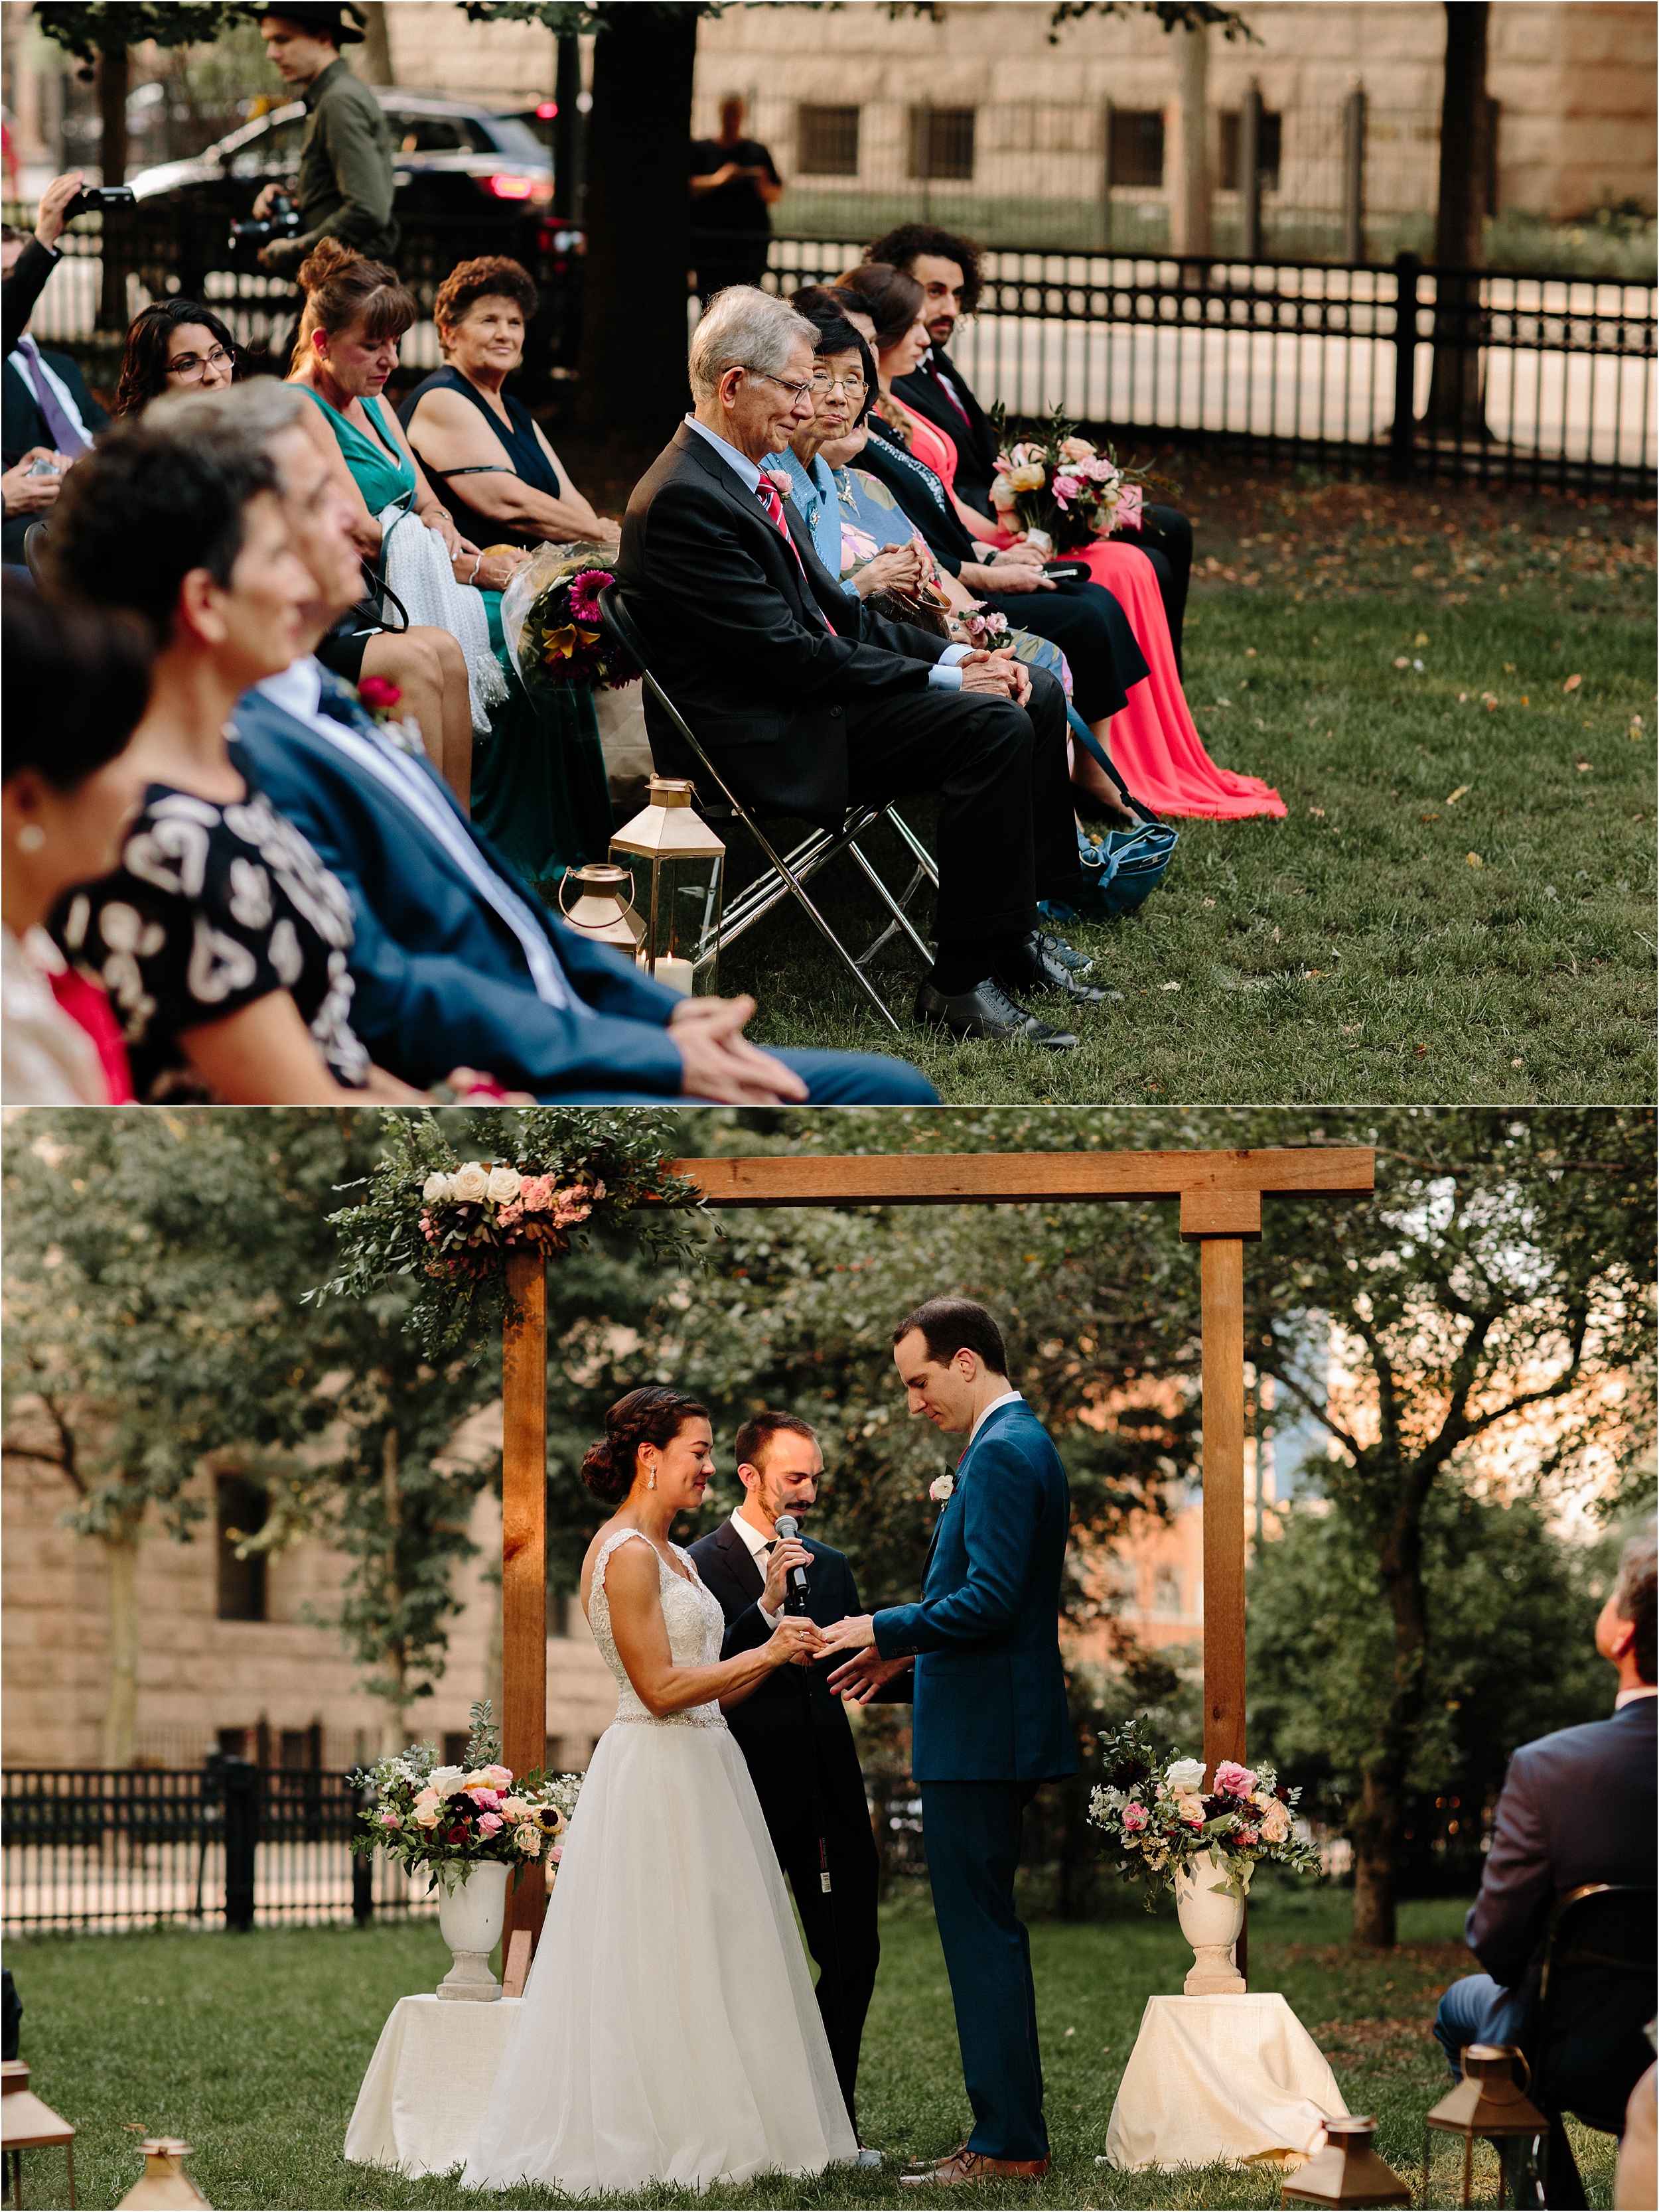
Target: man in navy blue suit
x=456 y=963
x=991 y=1721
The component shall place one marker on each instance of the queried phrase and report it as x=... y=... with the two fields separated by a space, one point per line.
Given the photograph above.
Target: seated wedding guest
x=48 y=418
x=172 y=343
x=347 y=347
x=813 y=702
x=1544 y=1845
x=222 y=940
x=948 y=270
x=539 y=788
x=453 y=959
x=76 y=682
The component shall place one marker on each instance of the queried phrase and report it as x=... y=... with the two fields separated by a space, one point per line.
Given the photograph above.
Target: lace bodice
x=697 y=1630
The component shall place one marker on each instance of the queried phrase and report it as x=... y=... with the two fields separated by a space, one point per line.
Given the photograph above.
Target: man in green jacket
x=346 y=180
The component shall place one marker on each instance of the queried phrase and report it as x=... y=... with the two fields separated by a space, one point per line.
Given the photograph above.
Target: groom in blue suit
x=991 y=1722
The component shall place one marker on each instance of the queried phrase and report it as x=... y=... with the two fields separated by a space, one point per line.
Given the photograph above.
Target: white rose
x=1185 y=1777
x=503 y=1185
x=435 y=1189
x=469 y=1184
x=446 y=1780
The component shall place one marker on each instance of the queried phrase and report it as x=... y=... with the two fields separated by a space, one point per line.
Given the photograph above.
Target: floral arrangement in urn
x=449 y=1819
x=1157 y=1817
x=1061 y=491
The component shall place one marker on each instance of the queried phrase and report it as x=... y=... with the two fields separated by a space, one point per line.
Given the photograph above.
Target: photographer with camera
x=48 y=418
x=345 y=181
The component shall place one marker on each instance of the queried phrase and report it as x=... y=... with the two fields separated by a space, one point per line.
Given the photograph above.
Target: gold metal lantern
x=603 y=909
x=1347 y=2172
x=1488 y=2101
x=163 y=2181
x=682 y=937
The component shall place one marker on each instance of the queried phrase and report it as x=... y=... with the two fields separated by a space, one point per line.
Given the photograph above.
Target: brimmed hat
x=329 y=22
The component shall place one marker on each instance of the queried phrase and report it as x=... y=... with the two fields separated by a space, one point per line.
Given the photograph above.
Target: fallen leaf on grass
x=1474 y=860
x=1584 y=766
x=1209 y=902
x=1572 y=683
x=1311 y=975
x=1428 y=818
x=1514 y=1063
x=1168 y=986
x=1350 y=1028
x=1275 y=932
x=1319 y=810
x=1461 y=791
x=1401 y=661
x=1488 y=699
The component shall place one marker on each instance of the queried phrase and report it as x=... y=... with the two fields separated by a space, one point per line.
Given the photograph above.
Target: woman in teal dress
x=539 y=785
x=356 y=313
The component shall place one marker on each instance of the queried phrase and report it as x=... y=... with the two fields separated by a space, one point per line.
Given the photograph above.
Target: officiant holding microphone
x=792 y=1732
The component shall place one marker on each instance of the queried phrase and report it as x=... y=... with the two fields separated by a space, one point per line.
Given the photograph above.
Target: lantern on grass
x=1347 y=2172
x=602 y=909
x=163 y=2181
x=1488 y=2101
x=681 y=944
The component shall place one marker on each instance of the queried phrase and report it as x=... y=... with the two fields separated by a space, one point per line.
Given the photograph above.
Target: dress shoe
x=927 y=2165
x=1032 y=968
x=974 y=2166
x=987 y=1012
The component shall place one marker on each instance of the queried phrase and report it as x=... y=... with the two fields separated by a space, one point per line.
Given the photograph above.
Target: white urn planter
x=1210 y=1920
x=471 y=1917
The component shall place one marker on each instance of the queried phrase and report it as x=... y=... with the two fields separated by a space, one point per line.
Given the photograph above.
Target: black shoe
x=987 y=1011
x=1068 y=955
x=1034 y=968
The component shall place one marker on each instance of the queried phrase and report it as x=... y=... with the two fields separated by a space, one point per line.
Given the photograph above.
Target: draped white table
x=423 y=2096
x=1221 y=2078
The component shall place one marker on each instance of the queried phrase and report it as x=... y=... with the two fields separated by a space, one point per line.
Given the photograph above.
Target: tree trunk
x=1189 y=199
x=114 y=75
x=120 y=1742
x=634 y=300
x=377 y=45
x=1379 y=1829
x=1456 y=400
x=397 y=1703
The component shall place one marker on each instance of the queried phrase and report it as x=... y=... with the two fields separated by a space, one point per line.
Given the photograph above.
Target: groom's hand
x=853 y=1634
x=857 y=1681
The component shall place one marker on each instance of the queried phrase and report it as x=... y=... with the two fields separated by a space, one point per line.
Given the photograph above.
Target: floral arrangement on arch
x=551 y=619
x=1156 y=1816
x=1061 y=489
x=448 y=1820
x=438 y=1229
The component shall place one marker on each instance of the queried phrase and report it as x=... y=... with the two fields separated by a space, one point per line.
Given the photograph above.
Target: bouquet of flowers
x=450 y=1819
x=1061 y=491
x=1156 y=1817
x=551 y=619
x=469 y=1218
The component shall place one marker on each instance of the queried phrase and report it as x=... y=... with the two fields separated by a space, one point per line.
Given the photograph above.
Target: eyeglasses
x=851 y=384
x=795 y=390
x=190 y=367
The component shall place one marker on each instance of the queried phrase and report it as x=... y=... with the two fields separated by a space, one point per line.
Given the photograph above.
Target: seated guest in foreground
x=356 y=313
x=452 y=960
x=75 y=683
x=948 y=270
x=1577 y=1807
x=538 y=781
x=221 y=938
x=812 y=702
x=171 y=345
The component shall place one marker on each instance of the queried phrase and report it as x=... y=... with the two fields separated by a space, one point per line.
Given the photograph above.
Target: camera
x=94 y=199
x=284 y=222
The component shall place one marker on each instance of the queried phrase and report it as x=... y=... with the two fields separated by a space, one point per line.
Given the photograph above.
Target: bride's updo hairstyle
x=342 y=289
x=653 y=1415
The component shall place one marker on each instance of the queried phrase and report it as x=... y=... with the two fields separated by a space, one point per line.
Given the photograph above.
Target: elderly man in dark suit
x=794 y=1733
x=811 y=701
x=47 y=416
x=947 y=269
x=1577 y=1807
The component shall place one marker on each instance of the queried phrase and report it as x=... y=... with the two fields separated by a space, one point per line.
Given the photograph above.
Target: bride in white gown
x=669 y=2030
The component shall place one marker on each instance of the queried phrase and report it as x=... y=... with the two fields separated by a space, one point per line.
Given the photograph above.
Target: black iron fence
x=228 y=1843
x=1467 y=376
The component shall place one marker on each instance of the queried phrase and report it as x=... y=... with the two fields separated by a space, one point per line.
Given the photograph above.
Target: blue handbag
x=1122 y=868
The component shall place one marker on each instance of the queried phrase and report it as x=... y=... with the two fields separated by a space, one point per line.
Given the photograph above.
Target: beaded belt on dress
x=699 y=1717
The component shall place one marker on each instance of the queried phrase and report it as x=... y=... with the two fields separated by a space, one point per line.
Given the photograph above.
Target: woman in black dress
x=538 y=782
x=221 y=938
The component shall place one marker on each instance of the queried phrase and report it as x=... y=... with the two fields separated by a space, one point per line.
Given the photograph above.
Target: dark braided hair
x=653 y=1415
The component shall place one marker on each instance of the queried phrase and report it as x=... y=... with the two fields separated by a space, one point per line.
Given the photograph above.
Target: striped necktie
x=772 y=500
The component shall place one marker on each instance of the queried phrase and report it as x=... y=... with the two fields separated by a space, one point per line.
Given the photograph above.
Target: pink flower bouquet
x=1156 y=1816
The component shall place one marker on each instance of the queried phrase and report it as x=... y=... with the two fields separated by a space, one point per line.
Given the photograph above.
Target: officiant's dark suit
x=804 y=1765
x=807 y=700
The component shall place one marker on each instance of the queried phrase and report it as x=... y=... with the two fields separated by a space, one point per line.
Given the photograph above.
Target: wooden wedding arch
x=1221 y=1195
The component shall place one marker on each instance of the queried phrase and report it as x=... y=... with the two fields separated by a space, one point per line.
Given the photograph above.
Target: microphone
x=794 y=1596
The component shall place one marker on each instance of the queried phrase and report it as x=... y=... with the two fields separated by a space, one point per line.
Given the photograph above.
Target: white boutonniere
x=941 y=1487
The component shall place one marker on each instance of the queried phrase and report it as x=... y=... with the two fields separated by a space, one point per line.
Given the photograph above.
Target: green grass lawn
x=252 y=2048
x=1459 y=905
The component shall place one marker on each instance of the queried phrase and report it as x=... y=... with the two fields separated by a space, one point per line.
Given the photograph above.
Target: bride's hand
x=794 y=1642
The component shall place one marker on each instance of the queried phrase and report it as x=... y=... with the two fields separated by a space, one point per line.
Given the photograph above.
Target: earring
x=31 y=837
x=650 y=1478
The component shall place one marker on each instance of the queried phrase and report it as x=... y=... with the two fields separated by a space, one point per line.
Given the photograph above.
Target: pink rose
x=390 y=1820
x=490 y=1824
x=1134 y=1819
x=499 y=1776
x=557 y=1853
x=1248 y=1836
x=485 y=1800
x=536 y=1194
x=1232 y=1780
x=1067 y=487
x=575 y=1204
x=506 y=1215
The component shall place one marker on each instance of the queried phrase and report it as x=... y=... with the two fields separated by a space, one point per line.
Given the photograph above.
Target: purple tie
x=65 y=438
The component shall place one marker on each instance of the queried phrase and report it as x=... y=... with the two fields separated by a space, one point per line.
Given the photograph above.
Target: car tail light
x=504 y=187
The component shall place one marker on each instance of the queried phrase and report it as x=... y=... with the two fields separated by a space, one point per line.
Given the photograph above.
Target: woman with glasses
x=173 y=346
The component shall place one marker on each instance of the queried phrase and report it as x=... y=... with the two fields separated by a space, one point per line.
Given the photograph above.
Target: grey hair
x=260 y=410
x=745 y=328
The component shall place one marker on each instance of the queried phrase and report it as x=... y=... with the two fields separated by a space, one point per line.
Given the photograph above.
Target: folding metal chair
x=1597 y=1982
x=788 y=873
